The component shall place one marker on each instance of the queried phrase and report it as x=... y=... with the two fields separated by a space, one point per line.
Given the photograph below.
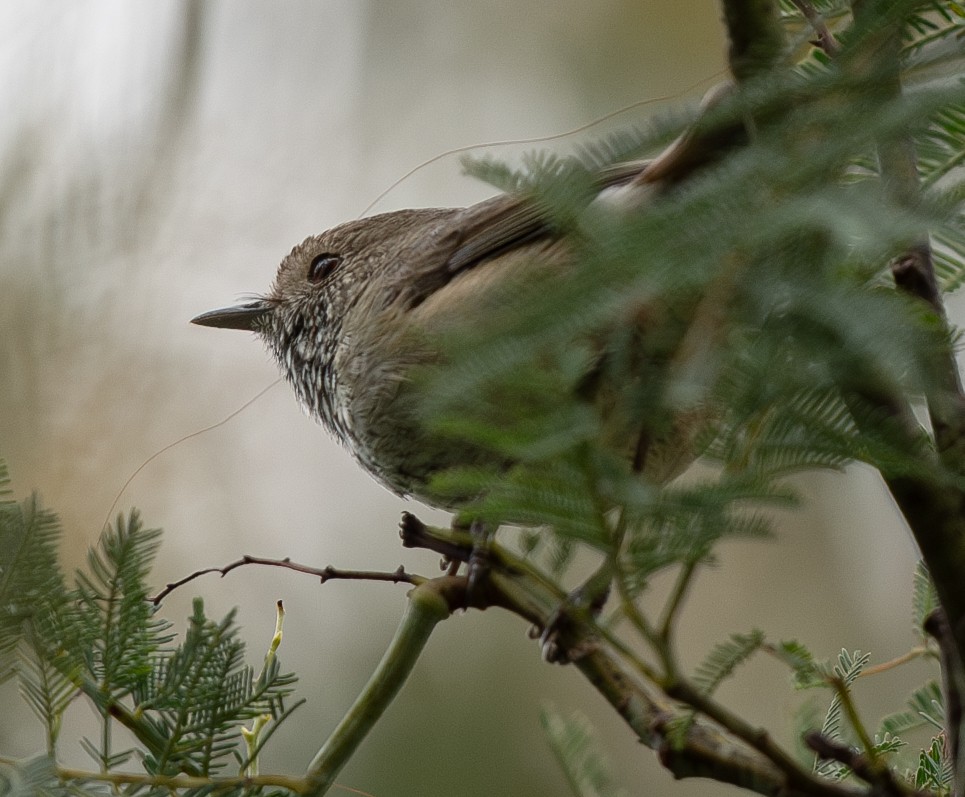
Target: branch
x=741 y=755
x=797 y=779
x=704 y=751
x=329 y=573
x=429 y=604
x=174 y=783
x=880 y=777
x=910 y=655
x=934 y=512
x=932 y=503
x=416 y=534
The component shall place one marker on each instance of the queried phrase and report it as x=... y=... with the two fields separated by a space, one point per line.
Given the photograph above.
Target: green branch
x=175 y=782
x=427 y=606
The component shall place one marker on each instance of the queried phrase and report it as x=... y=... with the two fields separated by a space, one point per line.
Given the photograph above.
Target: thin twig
x=684 y=579
x=454 y=547
x=880 y=777
x=329 y=573
x=797 y=778
x=677 y=687
x=851 y=711
x=632 y=612
x=904 y=658
x=705 y=752
x=175 y=782
x=630 y=657
x=749 y=759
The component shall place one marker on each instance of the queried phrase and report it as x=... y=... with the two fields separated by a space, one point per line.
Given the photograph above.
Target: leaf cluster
x=100 y=641
x=745 y=314
x=841 y=721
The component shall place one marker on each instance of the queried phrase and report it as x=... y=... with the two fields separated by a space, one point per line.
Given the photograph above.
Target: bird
x=355 y=311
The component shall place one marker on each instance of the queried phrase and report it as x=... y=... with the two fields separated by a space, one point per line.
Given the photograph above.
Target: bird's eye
x=322 y=265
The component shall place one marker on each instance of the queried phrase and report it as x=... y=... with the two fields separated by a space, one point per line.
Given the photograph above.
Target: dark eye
x=323 y=265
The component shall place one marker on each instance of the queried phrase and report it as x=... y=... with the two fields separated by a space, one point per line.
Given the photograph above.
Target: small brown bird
x=355 y=310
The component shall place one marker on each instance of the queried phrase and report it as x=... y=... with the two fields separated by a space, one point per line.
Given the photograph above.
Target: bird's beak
x=241 y=316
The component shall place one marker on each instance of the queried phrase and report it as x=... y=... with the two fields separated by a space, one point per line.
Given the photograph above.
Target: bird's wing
x=465 y=238
x=491 y=227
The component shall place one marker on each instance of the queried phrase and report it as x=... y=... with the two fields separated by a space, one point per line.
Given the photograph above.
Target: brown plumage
x=354 y=310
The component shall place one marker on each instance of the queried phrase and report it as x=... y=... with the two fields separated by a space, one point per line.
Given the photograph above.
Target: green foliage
x=725 y=658
x=46 y=685
x=198 y=696
x=841 y=675
x=924 y=602
x=807 y=673
x=102 y=639
x=31 y=584
x=847 y=668
x=573 y=742
x=37 y=777
x=925 y=706
x=888 y=745
x=934 y=767
x=719 y=665
x=113 y=614
x=746 y=315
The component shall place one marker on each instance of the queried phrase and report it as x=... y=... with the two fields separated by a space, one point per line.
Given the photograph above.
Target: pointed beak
x=241 y=316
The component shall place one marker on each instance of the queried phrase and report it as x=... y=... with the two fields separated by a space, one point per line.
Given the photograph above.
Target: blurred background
x=157 y=160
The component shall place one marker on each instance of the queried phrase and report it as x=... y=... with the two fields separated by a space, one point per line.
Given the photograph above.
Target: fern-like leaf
x=934 y=770
x=31 y=584
x=888 y=745
x=924 y=600
x=5 y=490
x=941 y=145
x=46 y=684
x=202 y=693
x=123 y=633
x=725 y=658
x=848 y=667
x=576 y=749
x=925 y=709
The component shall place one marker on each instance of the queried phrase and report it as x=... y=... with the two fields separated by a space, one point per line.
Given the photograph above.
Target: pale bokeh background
x=157 y=160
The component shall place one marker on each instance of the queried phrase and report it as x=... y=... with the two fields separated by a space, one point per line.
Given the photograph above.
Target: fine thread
x=186 y=437
x=535 y=139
